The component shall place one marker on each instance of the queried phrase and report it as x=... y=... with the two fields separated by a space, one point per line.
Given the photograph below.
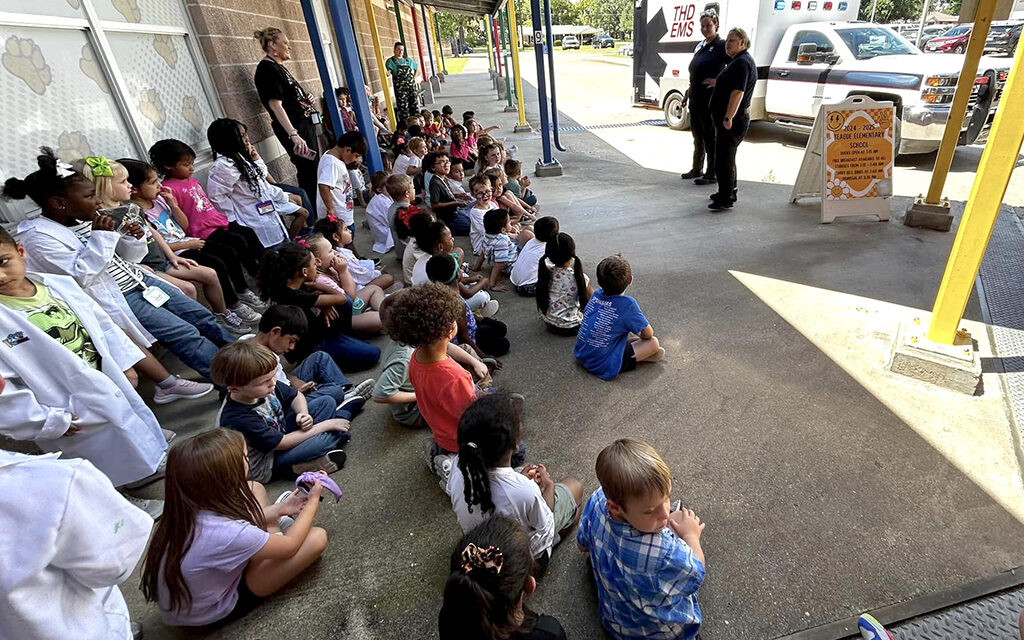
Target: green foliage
x=891 y=10
x=614 y=17
x=454 y=25
x=565 y=12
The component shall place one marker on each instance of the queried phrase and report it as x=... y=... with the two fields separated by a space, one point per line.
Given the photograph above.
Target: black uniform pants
x=703 y=130
x=726 y=143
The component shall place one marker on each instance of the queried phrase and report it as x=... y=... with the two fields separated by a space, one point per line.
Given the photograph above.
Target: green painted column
x=401 y=31
x=502 y=35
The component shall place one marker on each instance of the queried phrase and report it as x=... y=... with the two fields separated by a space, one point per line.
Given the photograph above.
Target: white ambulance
x=810 y=52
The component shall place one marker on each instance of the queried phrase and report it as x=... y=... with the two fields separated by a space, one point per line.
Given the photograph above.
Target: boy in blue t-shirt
x=614 y=335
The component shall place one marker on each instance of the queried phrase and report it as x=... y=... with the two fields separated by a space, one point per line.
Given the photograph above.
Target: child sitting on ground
x=333 y=272
x=393 y=386
x=283 y=432
x=443 y=201
x=483 y=482
x=519 y=183
x=281 y=328
x=426 y=318
x=400 y=188
x=447 y=117
x=614 y=334
x=335 y=195
x=499 y=247
x=563 y=289
x=491 y=576
x=480 y=189
x=238 y=185
x=647 y=561
x=485 y=336
x=364 y=272
x=223 y=547
x=462 y=146
x=524 y=273
x=410 y=160
x=518 y=209
x=413 y=253
x=377 y=214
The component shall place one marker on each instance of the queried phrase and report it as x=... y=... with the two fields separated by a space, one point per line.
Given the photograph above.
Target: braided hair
x=488 y=430
x=226 y=139
x=44 y=183
x=559 y=250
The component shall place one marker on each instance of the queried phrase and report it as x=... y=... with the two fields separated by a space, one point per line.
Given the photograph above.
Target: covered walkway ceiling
x=472 y=7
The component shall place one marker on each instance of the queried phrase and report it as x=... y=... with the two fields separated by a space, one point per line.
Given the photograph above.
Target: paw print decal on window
x=164 y=47
x=73 y=145
x=191 y=112
x=24 y=59
x=129 y=9
x=91 y=68
x=152 y=107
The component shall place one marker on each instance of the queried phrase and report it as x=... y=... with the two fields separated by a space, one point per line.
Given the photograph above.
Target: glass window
x=163 y=85
x=55 y=95
x=871 y=42
x=810 y=37
x=165 y=12
x=58 y=8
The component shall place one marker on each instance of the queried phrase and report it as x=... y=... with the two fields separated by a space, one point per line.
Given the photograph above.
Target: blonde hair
x=316 y=242
x=104 y=184
x=397 y=185
x=742 y=35
x=239 y=363
x=630 y=468
x=416 y=143
x=266 y=36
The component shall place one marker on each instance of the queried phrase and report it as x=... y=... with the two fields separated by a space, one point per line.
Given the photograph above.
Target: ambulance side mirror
x=807 y=53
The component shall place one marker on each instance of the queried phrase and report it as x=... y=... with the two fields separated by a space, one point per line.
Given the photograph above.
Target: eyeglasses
x=481 y=194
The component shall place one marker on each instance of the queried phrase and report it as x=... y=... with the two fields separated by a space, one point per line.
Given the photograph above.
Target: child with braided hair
x=485 y=596
x=484 y=482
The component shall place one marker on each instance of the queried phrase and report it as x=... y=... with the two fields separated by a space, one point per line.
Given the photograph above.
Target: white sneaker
x=182 y=389
x=246 y=313
x=489 y=310
x=363 y=389
x=154 y=508
x=253 y=300
x=161 y=470
x=233 y=323
x=168 y=435
x=283 y=522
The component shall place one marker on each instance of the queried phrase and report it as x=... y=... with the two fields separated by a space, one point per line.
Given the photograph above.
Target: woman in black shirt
x=708 y=60
x=730 y=102
x=293 y=114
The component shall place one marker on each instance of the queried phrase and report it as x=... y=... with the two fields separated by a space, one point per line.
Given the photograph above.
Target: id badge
x=155 y=296
x=315 y=117
x=265 y=208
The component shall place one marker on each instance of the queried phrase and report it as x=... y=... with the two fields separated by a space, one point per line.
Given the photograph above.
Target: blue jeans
x=350 y=353
x=320 y=368
x=460 y=225
x=306 y=204
x=184 y=326
x=322 y=408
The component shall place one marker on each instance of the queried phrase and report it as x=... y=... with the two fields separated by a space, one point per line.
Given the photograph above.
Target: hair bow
x=331 y=217
x=303 y=243
x=64 y=170
x=100 y=166
x=400 y=141
x=489 y=559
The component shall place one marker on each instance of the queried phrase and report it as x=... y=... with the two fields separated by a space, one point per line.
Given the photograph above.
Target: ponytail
x=581 y=281
x=488 y=431
x=559 y=250
x=51 y=179
x=543 y=285
x=278 y=267
x=466 y=610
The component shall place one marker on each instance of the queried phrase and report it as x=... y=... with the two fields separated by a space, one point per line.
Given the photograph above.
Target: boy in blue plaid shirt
x=647 y=560
x=502 y=242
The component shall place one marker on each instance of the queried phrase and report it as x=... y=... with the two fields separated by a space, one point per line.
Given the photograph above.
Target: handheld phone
x=308 y=155
x=676 y=506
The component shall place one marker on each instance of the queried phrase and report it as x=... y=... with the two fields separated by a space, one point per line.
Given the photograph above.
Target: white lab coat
x=46 y=383
x=50 y=247
x=68 y=540
x=231 y=194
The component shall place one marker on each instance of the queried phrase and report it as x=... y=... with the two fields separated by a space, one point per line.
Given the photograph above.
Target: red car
x=953 y=41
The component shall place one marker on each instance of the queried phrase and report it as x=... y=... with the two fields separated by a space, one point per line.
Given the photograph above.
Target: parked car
x=570 y=42
x=1003 y=37
x=953 y=41
x=626 y=50
x=930 y=32
x=604 y=41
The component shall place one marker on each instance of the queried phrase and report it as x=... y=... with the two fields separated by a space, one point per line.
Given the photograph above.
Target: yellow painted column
x=380 y=63
x=957 y=110
x=513 y=30
x=490 y=47
x=436 y=43
x=986 y=199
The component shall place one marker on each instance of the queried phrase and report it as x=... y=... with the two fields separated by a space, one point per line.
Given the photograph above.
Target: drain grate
x=992 y=618
x=581 y=128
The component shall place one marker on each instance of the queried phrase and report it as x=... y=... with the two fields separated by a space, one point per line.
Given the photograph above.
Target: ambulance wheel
x=676 y=115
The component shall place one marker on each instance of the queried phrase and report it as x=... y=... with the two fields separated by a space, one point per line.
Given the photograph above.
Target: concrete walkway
x=821 y=500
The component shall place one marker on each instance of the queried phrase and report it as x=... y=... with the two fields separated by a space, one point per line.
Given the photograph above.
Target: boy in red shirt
x=426 y=317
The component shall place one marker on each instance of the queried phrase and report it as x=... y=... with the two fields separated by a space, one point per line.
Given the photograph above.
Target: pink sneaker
x=182 y=389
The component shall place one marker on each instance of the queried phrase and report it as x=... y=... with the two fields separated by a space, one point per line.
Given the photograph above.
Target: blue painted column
x=542 y=92
x=333 y=111
x=430 y=48
x=345 y=36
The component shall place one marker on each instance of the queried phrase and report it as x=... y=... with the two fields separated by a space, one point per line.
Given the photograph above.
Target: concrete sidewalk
x=821 y=500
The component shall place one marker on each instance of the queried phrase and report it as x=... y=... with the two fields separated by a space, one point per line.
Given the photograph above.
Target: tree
x=523 y=13
x=892 y=10
x=453 y=25
x=564 y=12
x=607 y=15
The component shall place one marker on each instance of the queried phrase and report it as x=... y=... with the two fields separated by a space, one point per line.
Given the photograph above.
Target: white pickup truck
x=804 y=61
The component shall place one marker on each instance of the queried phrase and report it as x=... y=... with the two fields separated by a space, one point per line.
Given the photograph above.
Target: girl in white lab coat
x=67 y=369
x=215 y=553
x=69 y=540
x=238 y=186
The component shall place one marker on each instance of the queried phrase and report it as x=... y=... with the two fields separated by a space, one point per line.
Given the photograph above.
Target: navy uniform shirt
x=740 y=75
x=707 y=62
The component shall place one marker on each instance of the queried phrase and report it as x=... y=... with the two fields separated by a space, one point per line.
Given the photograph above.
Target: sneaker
x=333 y=461
x=489 y=310
x=691 y=174
x=182 y=388
x=284 y=522
x=871 y=629
x=168 y=435
x=658 y=356
x=442 y=467
x=704 y=180
x=364 y=390
x=353 y=404
x=161 y=470
x=246 y=313
x=249 y=298
x=137 y=631
x=154 y=508
x=233 y=323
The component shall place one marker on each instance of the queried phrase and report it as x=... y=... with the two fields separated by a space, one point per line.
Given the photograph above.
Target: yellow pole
x=997 y=163
x=380 y=63
x=958 y=109
x=513 y=30
x=490 y=48
x=437 y=47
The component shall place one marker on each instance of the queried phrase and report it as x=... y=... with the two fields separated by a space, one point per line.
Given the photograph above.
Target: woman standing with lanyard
x=293 y=114
x=730 y=101
x=403 y=77
x=708 y=60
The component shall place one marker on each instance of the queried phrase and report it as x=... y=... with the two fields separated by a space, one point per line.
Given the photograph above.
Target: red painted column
x=497 y=44
x=419 y=45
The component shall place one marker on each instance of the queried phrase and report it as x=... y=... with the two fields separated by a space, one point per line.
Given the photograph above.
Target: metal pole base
x=929 y=216
x=510 y=109
x=956 y=367
x=435 y=82
x=502 y=92
x=520 y=128
x=428 y=93
x=548 y=170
